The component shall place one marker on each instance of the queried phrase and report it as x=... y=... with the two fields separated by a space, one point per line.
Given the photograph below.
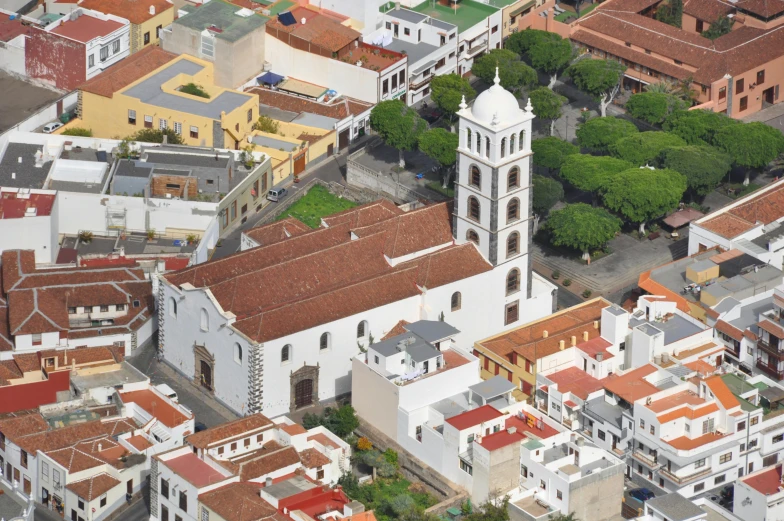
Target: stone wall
x=598 y=497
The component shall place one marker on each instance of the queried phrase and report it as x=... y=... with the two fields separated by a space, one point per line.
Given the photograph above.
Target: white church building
x=274 y=328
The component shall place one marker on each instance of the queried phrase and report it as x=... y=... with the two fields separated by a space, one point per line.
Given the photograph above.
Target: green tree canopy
x=697 y=126
x=513 y=73
x=671 y=12
x=643 y=148
x=722 y=26
x=653 y=107
x=591 y=173
x=751 y=145
x=490 y=511
x=521 y=41
x=547 y=192
x=550 y=152
x=448 y=90
x=703 y=166
x=582 y=227
x=551 y=57
x=341 y=421
x=151 y=135
x=398 y=125
x=598 y=78
x=642 y=194
x=441 y=145
x=547 y=105
x=597 y=134
x=376 y=460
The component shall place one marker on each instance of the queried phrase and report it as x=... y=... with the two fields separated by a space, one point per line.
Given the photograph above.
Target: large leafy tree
x=547 y=105
x=750 y=145
x=150 y=135
x=720 y=27
x=551 y=57
x=491 y=510
x=550 y=152
x=448 y=90
x=513 y=73
x=643 y=148
x=598 y=78
x=597 y=134
x=591 y=173
x=653 y=107
x=703 y=166
x=698 y=126
x=642 y=194
x=398 y=125
x=441 y=145
x=521 y=41
x=582 y=227
x=671 y=13
x=547 y=192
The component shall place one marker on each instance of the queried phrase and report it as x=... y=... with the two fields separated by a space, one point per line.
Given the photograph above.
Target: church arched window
x=469 y=137
x=457 y=300
x=513 y=178
x=513 y=210
x=511 y=144
x=513 y=281
x=503 y=147
x=472 y=236
x=473 y=208
x=521 y=140
x=487 y=146
x=478 y=144
x=513 y=244
x=476 y=177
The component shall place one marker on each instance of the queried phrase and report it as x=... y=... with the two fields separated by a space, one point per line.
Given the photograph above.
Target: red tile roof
x=766 y=481
x=86 y=28
x=339 y=108
x=312 y=458
x=595 y=346
x=93 y=487
x=722 y=392
x=250 y=425
x=575 y=381
x=156 y=406
x=10 y=29
x=501 y=439
x=238 y=502
x=135 y=11
x=701 y=366
x=685 y=443
x=532 y=431
x=270 y=458
x=325 y=274
x=729 y=330
x=277 y=231
x=474 y=417
x=319 y=30
x=127 y=71
x=631 y=386
x=194 y=470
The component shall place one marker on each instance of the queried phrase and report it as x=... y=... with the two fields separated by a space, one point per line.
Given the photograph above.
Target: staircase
x=159 y=431
x=255 y=379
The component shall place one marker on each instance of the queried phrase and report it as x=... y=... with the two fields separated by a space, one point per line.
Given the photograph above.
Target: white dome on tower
x=495 y=103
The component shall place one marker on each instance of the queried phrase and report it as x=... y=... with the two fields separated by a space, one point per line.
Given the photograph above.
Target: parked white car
x=51 y=127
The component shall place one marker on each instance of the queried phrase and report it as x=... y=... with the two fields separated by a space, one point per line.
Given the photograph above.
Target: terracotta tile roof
x=270 y=458
x=339 y=108
x=155 y=406
x=127 y=71
x=365 y=215
x=631 y=386
x=596 y=346
x=770 y=327
x=277 y=231
x=194 y=470
x=702 y=367
x=397 y=329
x=685 y=443
x=243 y=427
x=312 y=459
x=727 y=225
x=139 y=442
x=135 y=11
x=529 y=341
x=324 y=440
x=86 y=28
x=575 y=381
x=10 y=29
x=501 y=439
x=707 y=10
x=729 y=330
x=766 y=482
x=74 y=460
x=292 y=429
x=357 y=272
x=68 y=436
x=688 y=412
x=318 y=30
x=16 y=427
x=474 y=417
x=722 y=392
x=763 y=8
x=363 y=516
x=735 y=53
x=646 y=283
x=94 y=487
x=238 y=502
x=706 y=350
x=674 y=400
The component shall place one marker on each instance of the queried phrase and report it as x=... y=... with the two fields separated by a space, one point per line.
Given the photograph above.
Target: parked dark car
x=643 y=494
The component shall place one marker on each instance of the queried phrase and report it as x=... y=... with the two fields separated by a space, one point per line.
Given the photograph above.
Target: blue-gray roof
x=675 y=507
x=495 y=386
x=432 y=330
x=149 y=91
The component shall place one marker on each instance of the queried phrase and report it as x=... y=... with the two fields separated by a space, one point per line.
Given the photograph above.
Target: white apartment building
x=760 y=495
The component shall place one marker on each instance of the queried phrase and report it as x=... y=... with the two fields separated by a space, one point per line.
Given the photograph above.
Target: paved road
x=207 y=410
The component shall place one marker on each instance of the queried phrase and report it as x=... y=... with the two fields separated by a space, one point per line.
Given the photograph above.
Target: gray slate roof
x=432 y=330
x=675 y=507
x=495 y=386
x=27 y=175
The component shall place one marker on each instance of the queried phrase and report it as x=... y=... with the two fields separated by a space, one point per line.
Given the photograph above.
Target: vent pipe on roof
x=152 y=10
x=585 y=336
x=13 y=175
x=19 y=160
x=545 y=334
x=596 y=324
x=268 y=482
x=574 y=340
x=561 y=345
x=303 y=21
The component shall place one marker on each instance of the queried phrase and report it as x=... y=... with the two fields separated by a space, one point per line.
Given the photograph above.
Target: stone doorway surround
x=306 y=372
x=201 y=354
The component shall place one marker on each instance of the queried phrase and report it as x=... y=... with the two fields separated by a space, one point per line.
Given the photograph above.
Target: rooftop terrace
x=466 y=14
x=222 y=18
x=14 y=205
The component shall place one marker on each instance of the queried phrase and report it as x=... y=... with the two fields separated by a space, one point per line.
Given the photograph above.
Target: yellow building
x=517 y=354
x=147 y=17
x=145 y=91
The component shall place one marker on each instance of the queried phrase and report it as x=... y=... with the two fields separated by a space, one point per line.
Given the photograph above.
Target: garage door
x=299 y=164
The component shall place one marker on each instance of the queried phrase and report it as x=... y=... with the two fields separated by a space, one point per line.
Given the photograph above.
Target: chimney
x=596 y=324
x=561 y=345
x=545 y=334
x=585 y=336
x=599 y=357
x=152 y=10
x=100 y=447
x=268 y=482
x=574 y=340
x=304 y=20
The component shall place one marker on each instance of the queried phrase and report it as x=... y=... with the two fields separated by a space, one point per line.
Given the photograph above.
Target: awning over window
x=269 y=78
x=522 y=8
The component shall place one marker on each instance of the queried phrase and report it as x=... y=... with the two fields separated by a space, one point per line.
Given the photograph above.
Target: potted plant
x=151 y=234
x=192 y=238
x=296 y=178
x=86 y=236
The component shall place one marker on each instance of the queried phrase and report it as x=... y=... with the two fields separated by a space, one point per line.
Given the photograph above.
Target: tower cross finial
x=463 y=104
x=496 y=80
